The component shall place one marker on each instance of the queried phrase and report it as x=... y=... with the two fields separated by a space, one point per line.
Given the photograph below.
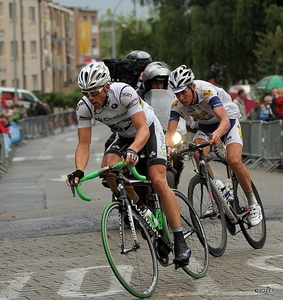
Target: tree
x=269 y=53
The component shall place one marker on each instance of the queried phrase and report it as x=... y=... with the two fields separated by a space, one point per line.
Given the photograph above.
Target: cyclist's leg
x=199 y=138
x=157 y=173
x=234 y=158
x=111 y=157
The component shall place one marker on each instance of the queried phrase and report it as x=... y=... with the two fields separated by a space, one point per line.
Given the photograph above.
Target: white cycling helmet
x=180 y=78
x=93 y=74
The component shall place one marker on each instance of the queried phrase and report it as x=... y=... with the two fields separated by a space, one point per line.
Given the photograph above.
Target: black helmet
x=155 y=71
x=139 y=56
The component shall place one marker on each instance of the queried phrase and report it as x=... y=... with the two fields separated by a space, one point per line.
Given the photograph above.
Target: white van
x=7 y=98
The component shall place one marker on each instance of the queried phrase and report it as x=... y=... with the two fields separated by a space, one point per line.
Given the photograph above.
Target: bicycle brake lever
x=71 y=180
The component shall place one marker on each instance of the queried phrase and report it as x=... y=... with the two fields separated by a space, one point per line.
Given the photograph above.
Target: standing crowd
x=270 y=109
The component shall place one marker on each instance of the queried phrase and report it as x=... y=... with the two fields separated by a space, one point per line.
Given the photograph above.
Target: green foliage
x=230 y=41
x=64 y=101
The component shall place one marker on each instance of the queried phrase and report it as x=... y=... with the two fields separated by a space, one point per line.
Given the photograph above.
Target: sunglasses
x=92 y=93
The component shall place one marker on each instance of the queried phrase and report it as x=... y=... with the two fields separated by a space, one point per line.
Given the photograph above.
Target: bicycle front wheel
x=134 y=265
x=195 y=238
x=214 y=227
x=255 y=235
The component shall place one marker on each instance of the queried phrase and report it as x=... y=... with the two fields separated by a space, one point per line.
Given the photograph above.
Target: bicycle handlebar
x=119 y=165
x=189 y=147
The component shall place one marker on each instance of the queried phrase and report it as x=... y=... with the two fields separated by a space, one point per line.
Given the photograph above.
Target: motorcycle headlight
x=177 y=138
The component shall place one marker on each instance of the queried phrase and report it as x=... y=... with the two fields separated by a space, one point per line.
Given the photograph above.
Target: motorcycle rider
x=218 y=120
x=143 y=59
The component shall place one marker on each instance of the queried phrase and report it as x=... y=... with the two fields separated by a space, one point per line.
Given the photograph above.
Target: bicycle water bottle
x=228 y=192
x=149 y=215
x=220 y=186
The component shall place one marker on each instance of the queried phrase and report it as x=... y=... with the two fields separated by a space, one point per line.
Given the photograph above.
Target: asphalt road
x=50 y=245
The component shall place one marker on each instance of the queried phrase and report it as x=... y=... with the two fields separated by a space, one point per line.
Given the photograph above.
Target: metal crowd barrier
x=40 y=126
x=32 y=128
x=263 y=144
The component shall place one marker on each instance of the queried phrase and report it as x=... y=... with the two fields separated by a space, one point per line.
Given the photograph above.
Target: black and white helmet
x=93 y=75
x=180 y=78
x=139 y=56
x=155 y=71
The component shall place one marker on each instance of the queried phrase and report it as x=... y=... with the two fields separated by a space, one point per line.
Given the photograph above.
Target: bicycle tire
x=255 y=235
x=137 y=270
x=194 y=236
x=215 y=228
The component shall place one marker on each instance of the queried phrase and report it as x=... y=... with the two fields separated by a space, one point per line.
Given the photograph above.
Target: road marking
x=14 y=286
x=24 y=158
x=261 y=263
x=71 y=285
x=62 y=178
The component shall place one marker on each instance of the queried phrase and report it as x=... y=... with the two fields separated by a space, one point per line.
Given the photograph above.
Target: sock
x=178 y=234
x=251 y=198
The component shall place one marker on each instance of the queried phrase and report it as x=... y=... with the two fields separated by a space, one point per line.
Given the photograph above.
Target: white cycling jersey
x=122 y=102
x=209 y=97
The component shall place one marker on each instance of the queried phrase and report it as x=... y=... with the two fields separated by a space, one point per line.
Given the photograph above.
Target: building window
x=33 y=48
x=14 y=49
x=1 y=9
x=93 y=20
x=2 y=49
x=34 y=82
x=32 y=14
x=11 y=11
x=93 y=43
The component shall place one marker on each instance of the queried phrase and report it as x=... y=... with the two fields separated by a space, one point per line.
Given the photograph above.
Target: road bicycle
x=134 y=244
x=215 y=212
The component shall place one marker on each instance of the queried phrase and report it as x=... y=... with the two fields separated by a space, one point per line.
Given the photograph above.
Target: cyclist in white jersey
x=217 y=118
x=119 y=107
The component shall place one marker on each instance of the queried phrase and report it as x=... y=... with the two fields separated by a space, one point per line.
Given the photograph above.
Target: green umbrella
x=270 y=82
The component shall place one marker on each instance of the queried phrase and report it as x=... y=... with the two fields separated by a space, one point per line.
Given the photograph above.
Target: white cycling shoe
x=255 y=214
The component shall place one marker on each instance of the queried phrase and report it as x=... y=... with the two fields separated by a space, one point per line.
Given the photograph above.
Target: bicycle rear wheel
x=255 y=235
x=195 y=238
x=136 y=268
x=214 y=227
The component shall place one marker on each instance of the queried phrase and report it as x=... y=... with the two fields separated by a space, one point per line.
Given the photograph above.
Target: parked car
x=8 y=99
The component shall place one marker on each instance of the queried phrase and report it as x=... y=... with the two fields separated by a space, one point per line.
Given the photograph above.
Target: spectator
x=274 y=95
x=279 y=103
x=30 y=111
x=4 y=124
x=16 y=116
x=39 y=109
x=266 y=113
x=241 y=104
x=255 y=112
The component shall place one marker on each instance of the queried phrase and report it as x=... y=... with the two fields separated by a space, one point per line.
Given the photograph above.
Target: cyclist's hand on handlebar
x=215 y=139
x=74 y=178
x=168 y=150
x=132 y=157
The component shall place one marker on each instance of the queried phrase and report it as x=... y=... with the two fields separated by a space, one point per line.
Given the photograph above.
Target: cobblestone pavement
x=74 y=266
x=50 y=245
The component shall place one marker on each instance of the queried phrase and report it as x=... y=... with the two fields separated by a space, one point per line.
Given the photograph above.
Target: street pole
x=113 y=30
x=15 y=52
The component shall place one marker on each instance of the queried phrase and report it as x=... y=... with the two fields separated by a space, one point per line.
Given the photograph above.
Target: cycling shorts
x=233 y=135
x=155 y=148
